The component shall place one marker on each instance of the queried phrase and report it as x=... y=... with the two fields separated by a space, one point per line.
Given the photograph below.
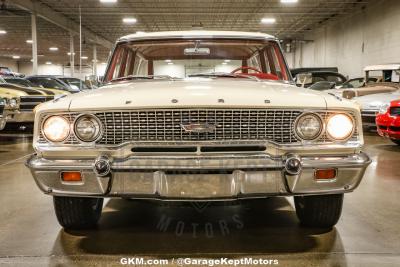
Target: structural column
x=95 y=60
x=72 y=54
x=34 y=44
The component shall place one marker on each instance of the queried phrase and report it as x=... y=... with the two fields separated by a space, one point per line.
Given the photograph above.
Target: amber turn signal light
x=71 y=176
x=325 y=174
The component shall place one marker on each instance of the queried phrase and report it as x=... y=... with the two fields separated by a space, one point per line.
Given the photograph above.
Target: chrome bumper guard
x=200 y=178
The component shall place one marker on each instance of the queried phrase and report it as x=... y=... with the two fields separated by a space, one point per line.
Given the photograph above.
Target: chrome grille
x=28 y=103
x=163 y=126
x=166 y=125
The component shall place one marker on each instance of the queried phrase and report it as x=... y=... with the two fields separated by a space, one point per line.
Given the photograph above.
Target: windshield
x=183 y=58
x=21 y=82
x=391 y=76
x=50 y=83
x=76 y=82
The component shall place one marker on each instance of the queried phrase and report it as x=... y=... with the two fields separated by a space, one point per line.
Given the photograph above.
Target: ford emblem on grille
x=198 y=128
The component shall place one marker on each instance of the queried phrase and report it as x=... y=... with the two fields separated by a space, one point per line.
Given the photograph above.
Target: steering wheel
x=242 y=68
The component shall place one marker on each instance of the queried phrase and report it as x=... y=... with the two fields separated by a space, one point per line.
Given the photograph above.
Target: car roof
x=196 y=34
x=395 y=66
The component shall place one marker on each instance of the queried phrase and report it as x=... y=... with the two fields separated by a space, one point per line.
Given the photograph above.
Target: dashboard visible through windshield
x=261 y=59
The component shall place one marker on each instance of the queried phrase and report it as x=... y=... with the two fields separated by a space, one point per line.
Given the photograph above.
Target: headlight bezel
x=100 y=130
x=351 y=133
x=321 y=130
x=384 y=108
x=13 y=106
x=42 y=129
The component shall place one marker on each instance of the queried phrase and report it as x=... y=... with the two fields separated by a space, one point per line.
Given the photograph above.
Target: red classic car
x=388 y=121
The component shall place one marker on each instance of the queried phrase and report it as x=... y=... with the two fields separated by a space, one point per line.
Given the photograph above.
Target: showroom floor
x=368 y=233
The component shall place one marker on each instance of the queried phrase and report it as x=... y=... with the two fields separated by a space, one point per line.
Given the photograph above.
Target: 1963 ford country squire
x=198 y=116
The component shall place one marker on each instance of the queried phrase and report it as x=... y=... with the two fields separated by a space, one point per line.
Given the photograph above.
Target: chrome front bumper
x=20 y=116
x=200 y=178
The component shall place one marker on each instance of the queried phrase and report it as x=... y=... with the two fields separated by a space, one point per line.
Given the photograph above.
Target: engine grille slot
x=166 y=125
x=164 y=149
x=368 y=116
x=216 y=149
x=28 y=103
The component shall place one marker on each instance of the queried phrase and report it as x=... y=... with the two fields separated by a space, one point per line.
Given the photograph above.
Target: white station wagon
x=198 y=116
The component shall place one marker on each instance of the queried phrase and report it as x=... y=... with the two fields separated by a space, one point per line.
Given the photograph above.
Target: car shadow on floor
x=256 y=227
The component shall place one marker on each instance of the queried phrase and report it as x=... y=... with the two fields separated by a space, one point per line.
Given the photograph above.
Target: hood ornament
x=199 y=128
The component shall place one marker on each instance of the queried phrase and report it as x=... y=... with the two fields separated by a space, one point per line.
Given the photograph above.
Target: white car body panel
x=375 y=101
x=201 y=92
x=190 y=34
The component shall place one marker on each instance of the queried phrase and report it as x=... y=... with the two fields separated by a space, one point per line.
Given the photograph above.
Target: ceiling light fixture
x=170 y=63
x=108 y=1
x=69 y=53
x=29 y=41
x=16 y=57
x=168 y=60
x=48 y=63
x=3 y=32
x=289 y=1
x=268 y=20
x=53 y=48
x=84 y=57
x=129 y=20
x=224 y=63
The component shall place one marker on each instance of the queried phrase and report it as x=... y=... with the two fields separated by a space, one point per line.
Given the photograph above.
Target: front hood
x=28 y=91
x=10 y=93
x=375 y=101
x=198 y=92
x=51 y=91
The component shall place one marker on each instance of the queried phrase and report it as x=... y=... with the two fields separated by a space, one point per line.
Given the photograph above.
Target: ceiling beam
x=61 y=20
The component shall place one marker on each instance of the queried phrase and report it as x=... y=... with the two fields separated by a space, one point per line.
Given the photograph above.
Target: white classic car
x=380 y=79
x=372 y=104
x=198 y=116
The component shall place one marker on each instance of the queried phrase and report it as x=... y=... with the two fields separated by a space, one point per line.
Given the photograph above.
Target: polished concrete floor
x=368 y=233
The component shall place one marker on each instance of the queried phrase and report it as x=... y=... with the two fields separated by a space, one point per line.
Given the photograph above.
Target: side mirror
x=303 y=79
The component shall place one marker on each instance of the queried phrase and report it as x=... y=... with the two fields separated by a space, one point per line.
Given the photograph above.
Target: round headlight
x=309 y=126
x=13 y=103
x=56 y=128
x=87 y=128
x=384 y=108
x=340 y=127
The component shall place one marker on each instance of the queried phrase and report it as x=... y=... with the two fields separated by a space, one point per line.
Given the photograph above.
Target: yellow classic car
x=2 y=113
x=21 y=102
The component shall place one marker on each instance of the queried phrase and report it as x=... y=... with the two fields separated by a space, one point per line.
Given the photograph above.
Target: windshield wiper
x=143 y=77
x=225 y=75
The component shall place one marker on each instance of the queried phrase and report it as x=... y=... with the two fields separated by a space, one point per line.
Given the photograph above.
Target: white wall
x=8 y=62
x=371 y=36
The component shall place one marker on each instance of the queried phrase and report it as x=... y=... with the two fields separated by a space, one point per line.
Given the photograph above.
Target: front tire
x=322 y=211
x=396 y=141
x=78 y=213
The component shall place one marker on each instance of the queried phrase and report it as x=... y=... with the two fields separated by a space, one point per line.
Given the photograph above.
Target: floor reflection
x=257 y=227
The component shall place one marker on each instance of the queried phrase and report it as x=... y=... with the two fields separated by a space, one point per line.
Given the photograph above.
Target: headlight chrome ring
x=87 y=128
x=56 y=129
x=340 y=127
x=309 y=126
